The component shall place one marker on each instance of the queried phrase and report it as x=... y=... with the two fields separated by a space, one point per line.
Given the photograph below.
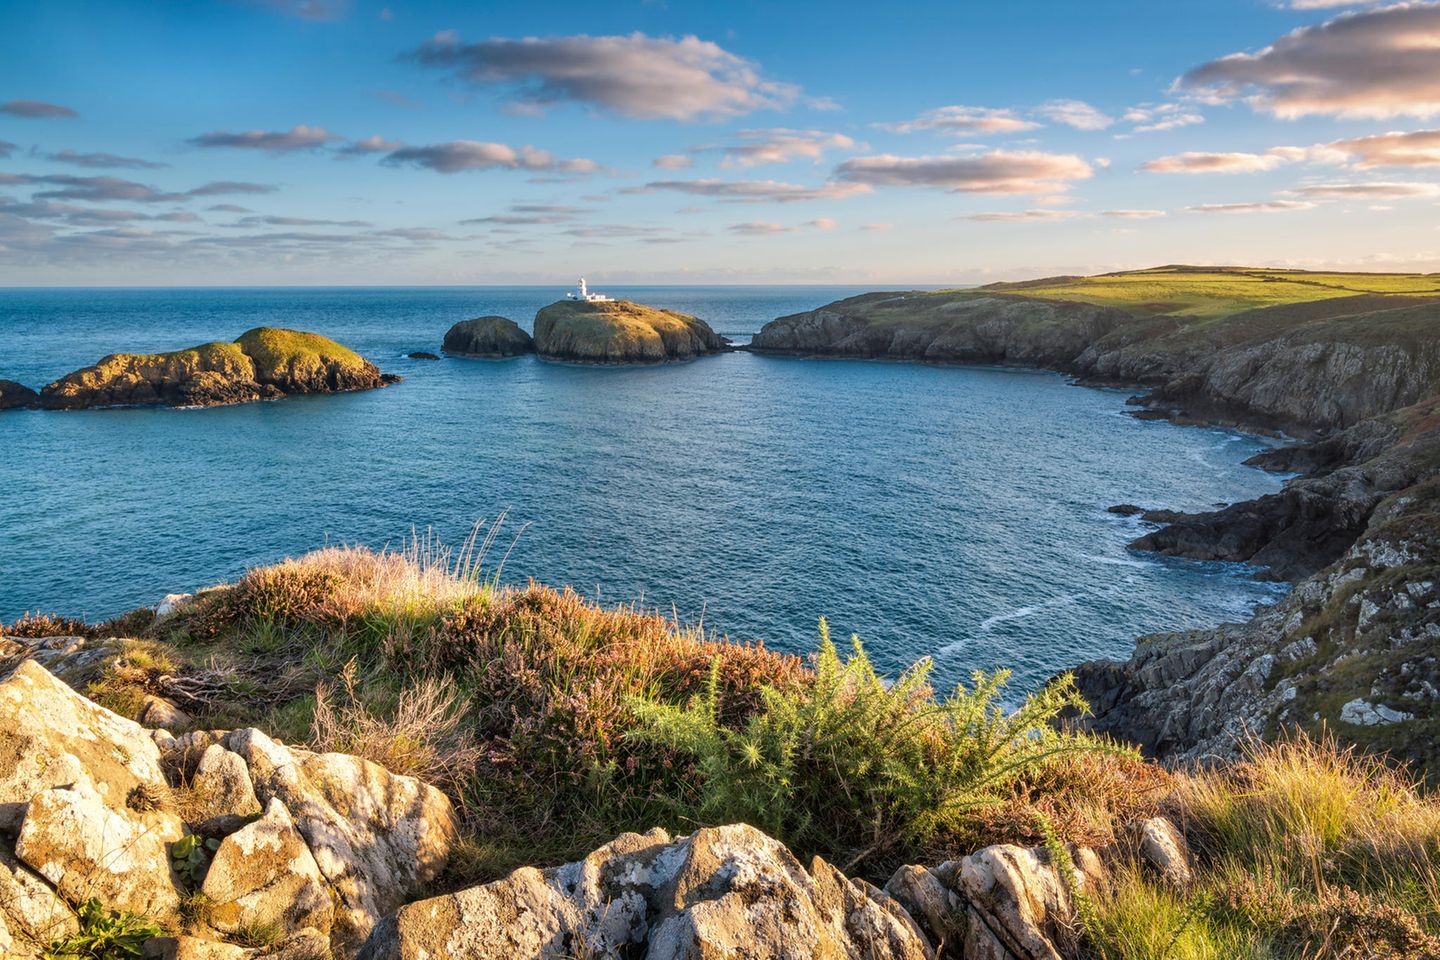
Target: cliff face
x=1353 y=648
x=621 y=332
x=1305 y=368
x=264 y=363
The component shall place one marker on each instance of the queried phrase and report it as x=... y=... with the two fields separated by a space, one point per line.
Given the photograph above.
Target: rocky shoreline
x=1352 y=648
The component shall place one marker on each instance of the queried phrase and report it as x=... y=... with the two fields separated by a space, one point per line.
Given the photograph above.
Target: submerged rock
x=618 y=331
x=262 y=364
x=422 y=355
x=15 y=396
x=487 y=337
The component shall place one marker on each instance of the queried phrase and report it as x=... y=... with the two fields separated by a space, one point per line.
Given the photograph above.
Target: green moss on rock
x=619 y=331
x=264 y=363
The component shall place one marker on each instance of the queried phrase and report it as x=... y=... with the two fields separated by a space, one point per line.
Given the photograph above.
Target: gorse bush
x=850 y=766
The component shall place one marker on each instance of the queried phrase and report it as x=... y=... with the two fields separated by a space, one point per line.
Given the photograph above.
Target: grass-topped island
x=618 y=331
x=261 y=364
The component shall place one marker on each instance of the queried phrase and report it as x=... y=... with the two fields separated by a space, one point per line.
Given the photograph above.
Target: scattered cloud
x=273 y=221
x=759 y=228
x=6 y=148
x=877 y=227
x=996 y=172
x=779 y=145
x=1420 y=148
x=1368 y=191
x=298 y=137
x=37 y=110
x=1371 y=64
x=673 y=161
x=217 y=188
x=821 y=223
x=228 y=208
x=963 y=121
x=532 y=214
x=1133 y=214
x=635 y=76
x=753 y=191
x=1200 y=162
x=1023 y=216
x=103 y=160
x=1157 y=118
x=1264 y=206
x=460 y=155
x=369 y=145
x=1075 y=113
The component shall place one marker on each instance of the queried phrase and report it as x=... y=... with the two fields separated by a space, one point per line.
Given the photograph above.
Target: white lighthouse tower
x=584 y=294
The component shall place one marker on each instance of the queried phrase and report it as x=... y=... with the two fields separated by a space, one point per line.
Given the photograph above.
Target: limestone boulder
x=85 y=846
x=42 y=720
x=264 y=874
x=1019 y=902
x=1164 y=847
x=724 y=892
x=224 y=795
x=30 y=911
x=375 y=835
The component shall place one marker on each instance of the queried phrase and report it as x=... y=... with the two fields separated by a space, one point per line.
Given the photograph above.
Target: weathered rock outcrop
x=16 y=396
x=313 y=847
x=618 y=331
x=1364 y=628
x=262 y=364
x=725 y=892
x=487 y=337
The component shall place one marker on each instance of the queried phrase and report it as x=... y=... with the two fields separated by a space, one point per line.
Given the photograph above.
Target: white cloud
x=1264 y=206
x=1200 y=162
x=634 y=76
x=1420 y=148
x=673 y=161
x=780 y=145
x=753 y=191
x=458 y=155
x=1373 y=190
x=1075 y=113
x=1371 y=64
x=1133 y=214
x=299 y=137
x=996 y=172
x=964 y=121
x=1024 y=216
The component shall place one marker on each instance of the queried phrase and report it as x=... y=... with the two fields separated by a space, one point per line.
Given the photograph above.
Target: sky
x=237 y=142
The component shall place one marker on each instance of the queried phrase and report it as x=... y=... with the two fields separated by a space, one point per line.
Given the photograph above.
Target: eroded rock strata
x=261 y=364
x=1354 y=647
x=618 y=331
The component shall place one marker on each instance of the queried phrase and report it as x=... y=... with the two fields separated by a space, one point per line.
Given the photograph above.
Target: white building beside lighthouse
x=583 y=293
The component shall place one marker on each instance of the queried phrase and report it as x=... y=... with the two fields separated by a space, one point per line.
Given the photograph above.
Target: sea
x=950 y=512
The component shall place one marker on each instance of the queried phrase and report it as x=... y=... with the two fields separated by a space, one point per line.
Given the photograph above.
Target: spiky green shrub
x=849 y=766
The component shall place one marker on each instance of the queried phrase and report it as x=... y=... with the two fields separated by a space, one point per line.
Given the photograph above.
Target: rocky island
x=16 y=396
x=261 y=364
x=493 y=337
x=618 y=331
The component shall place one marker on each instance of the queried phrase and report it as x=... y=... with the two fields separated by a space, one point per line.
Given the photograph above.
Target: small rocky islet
x=590 y=331
x=265 y=363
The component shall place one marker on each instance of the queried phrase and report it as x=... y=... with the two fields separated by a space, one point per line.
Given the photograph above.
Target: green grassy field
x=1218 y=292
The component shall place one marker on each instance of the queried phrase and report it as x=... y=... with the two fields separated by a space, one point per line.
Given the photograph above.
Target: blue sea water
x=951 y=512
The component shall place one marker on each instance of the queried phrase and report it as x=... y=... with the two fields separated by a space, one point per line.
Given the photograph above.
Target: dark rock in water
x=263 y=364
x=1162 y=516
x=14 y=396
x=487 y=337
x=422 y=355
x=1125 y=509
x=617 y=331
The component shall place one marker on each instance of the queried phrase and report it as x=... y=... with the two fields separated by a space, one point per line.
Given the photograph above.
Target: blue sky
x=349 y=141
